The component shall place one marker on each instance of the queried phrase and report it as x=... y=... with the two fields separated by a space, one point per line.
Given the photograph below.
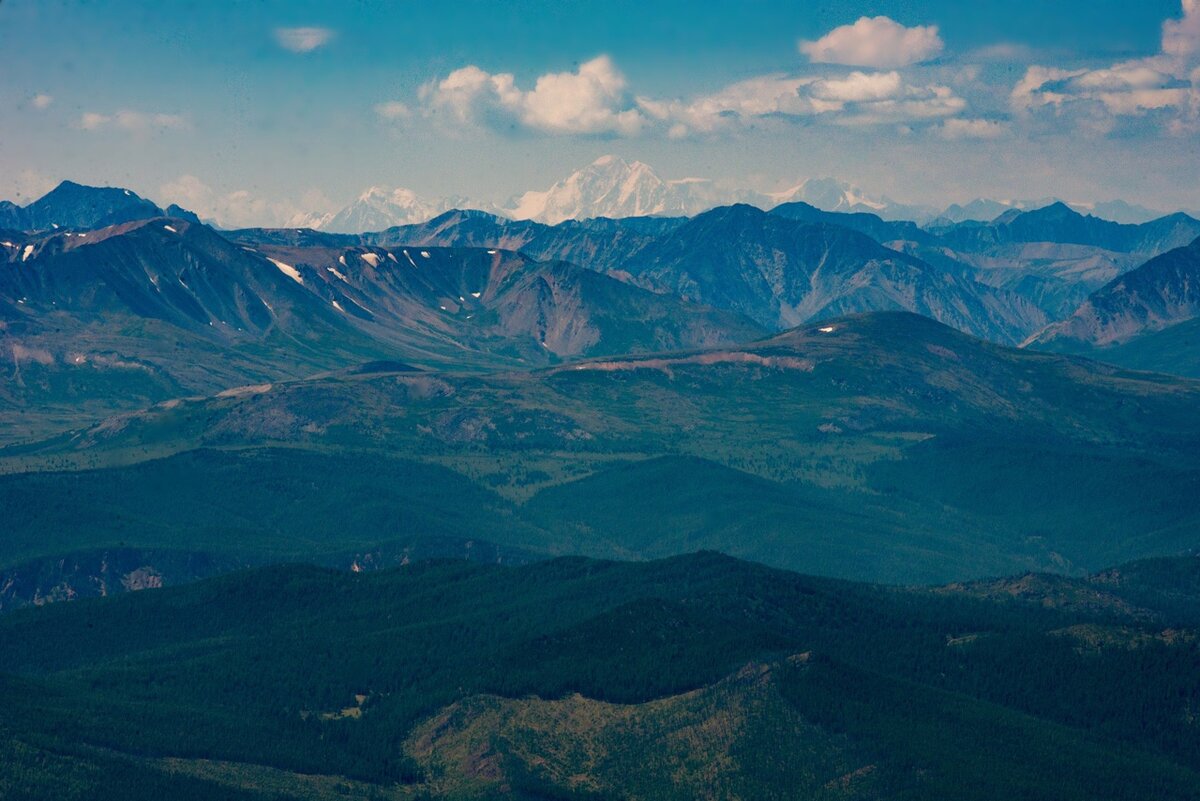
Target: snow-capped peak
x=381 y=207
x=613 y=187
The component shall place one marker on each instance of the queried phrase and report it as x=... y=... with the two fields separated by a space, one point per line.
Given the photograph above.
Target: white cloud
x=1181 y=37
x=859 y=98
x=136 y=122
x=42 y=101
x=964 y=128
x=737 y=104
x=302 y=40
x=591 y=100
x=241 y=207
x=1165 y=85
x=392 y=110
x=859 y=87
x=595 y=100
x=875 y=42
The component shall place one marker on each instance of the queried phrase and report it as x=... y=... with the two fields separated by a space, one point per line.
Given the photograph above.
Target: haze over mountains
x=613 y=187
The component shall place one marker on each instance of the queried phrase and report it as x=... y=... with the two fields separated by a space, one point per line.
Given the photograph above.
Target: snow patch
x=424 y=254
x=410 y=259
x=829 y=329
x=335 y=272
x=476 y=294
x=392 y=256
x=28 y=251
x=342 y=260
x=288 y=270
x=370 y=258
x=169 y=228
x=338 y=306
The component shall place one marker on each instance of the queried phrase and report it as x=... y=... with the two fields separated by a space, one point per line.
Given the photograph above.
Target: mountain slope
x=77 y=207
x=775 y=270
x=142 y=312
x=699 y=676
x=1163 y=292
x=883 y=446
x=870 y=224
x=491 y=301
x=1061 y=224
x=130 y=315
x=783 y=273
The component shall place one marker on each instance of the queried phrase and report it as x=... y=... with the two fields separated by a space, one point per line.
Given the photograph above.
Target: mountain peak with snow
x=381 y=207
x=611 y=186
x=608 y=187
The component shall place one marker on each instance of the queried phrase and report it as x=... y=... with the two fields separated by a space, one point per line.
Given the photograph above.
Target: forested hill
x=693 y=677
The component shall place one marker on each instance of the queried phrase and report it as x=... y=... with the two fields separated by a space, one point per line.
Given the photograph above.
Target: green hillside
x=716 y=678
x=877 y=447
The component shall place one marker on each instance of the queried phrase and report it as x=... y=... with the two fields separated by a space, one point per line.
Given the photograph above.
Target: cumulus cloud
x=42 y=101
x=392 y=110
x=875 y=42
x=591 y=100
x=1164 y=87
x=302 y=40
x=135 y=122
x=766 y=96
x=595 y=100
x=241 y=207
x=859 y=98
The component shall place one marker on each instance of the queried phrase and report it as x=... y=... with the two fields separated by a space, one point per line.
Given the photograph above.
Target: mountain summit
x=613 y=187
x=76 y=206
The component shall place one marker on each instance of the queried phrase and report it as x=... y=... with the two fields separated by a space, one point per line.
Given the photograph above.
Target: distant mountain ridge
x=780 y=269
x=608 y=187
x=614 y=187
x=1163 y=292
x=75 y=206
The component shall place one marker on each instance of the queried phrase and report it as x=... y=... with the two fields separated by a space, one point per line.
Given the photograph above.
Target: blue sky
x=254 y=111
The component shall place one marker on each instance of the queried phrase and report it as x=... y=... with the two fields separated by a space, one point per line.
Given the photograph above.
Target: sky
x=252 y=112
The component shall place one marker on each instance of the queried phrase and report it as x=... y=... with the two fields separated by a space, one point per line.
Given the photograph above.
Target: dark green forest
x=456 y=680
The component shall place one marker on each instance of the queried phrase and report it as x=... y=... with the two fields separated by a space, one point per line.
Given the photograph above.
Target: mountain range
x=613 y=187
x=608 y=187
x=113 y=318
x=1145 y=318
x=477 y=507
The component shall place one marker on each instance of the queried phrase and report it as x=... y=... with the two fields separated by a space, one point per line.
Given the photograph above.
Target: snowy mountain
x=831 y=194
x=613 y=187
x=382 y=207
